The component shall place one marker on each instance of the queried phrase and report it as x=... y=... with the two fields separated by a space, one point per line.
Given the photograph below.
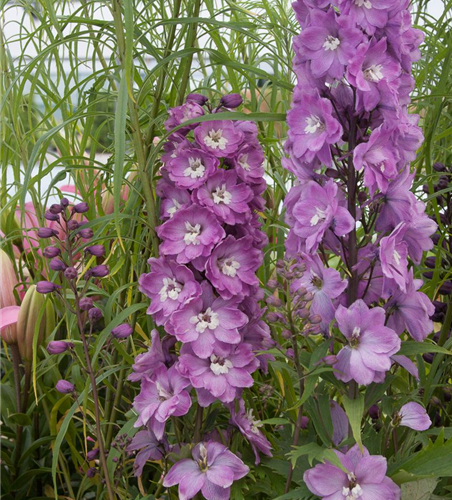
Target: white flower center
x=255 y=424
x=373 y=73
x=163 y=394
x=396 y=257
x=215 y=139
x=195 y=169
x=353 y=493
x=221 y=195
x=363 y=3
x=229 y=267
x=170 y=289
x=319 y=215
x=356 y=332
x=243 y=162
x=207 y=319
x=331 y=43
x=220 y=366
x=191 y=236
x=172 y=210
x=313 y=123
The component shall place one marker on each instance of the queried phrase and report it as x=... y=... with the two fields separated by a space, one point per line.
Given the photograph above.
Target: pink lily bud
x=8 y=282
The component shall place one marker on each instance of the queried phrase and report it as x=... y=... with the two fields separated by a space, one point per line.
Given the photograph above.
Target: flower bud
x=330 y=360
x=8 y=282
x=231 y=101
x=274 y=301
x=122 y=331
x=439 y=167
x=197 y=98
x=96 y=250
x=55 y=209
x=71 y=273
x=91 y=472
x=51 y=252
x=99 y=271
x=308 y=297
x=428 y=357
x=304 y=422
x=430 y=262
x=46 y=287
x=303 y=313
x=80 y=208
x=290 y=353
x=46 y=232
x=64 y=202
x=50 y=216
x=272 y=317
x=92 y=454
x=57 y=265
x=64 y=387
x=86 y=303
x=315 y=319
x=446 y=288
x=94 y=314
x=374 y=412
x=73 y=225
x=286 y=334
x=86 y=233
x=301 y=292
x=59 y=346
x=272 y=284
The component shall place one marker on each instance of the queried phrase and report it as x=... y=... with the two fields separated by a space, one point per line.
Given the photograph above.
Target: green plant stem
x=198 y=424
x=15 y=354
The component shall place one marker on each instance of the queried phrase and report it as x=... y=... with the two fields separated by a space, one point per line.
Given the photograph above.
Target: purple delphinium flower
x=212 y=470
x=227 y=199
x=172 y=198
x=220 y=138
x=418 y=232
x=317 y=210
x=190 y=167
x=161 y=397
x=414 y=416
x=249 y=162
x=313 y=129
x=150 y=449
x=169 y=286
x=370 y=343
x=208 y=324
x=222 y=376
x=232 y=266
x=365 y=478
x=181 y=114
x=191 y=233
x=393 y=258
x=249 y=427
x=368 y=14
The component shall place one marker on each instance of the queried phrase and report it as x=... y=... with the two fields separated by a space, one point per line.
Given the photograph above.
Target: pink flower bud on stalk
x=8 y=282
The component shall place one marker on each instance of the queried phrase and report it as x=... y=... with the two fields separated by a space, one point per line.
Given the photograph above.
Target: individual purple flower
x=169 y=286
x=219 y=137
x=370 y=343
x=232 y=266
x=172 y=198
x=181 y=114
x=370 y=14
x=418 y=232
x=59 y=346
x=222 y=376
x=227 y=199
x=190 y=167
x=64 y=387
x=393 y=258
x=122 y=331
x=191 y=233
x=414 y=416
x=161 y=397
x=313 y=129
x=317 y=211
x=208 y=324
x=150 y=449
x=378 y=157
x=365 y=478
x=212 y=470
x=249 y=162
x=250 y=428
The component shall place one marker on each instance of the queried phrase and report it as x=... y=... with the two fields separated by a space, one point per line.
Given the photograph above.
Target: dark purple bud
x=438 y=317
x=55 y=209
x=330 y=360
x=91 y=472
x=80 y=208
x=122 y=331
x=443 y=182
x=304 y=422
x=96 y=250
x=46 y=287
x=428 y=275
x=95 y=314
x=71 y=273
x=64 y=202
x=435 y=238
x=374 y=412
x=73 y=225
x=99 y=271
x=86 y=303
x=46 y=232
x=430 y=262
x=231 y=101
x=57 y=265
x=51 y=252
x=197 y=98
x=439 y=167
x=274 y=301
x=64 y=387
x=86 y=233
x=92 y=454
x=426 y=189
x=447 y=391
x=50 y=216
x=440 y=306
x=332 y=173
x=286 y=334
x=437 y=420
x=59 y=346
x=446 y=288
x=115 y=459
x=290 y=353
x=428 y=357
x=362 y=197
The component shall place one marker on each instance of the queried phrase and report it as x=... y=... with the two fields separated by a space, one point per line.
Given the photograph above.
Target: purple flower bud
x=46 y=287
x=274 y=301
x=308 y=297
x=99 y=271
x=301 y=292
x=86 y=303
x=71 y=273
x=57 y=265
x=272 y=317
x=272 y=284
x=430 y=262
x=96 y=250
x=51 y=252
x=55 y=209
x=46 y=232
x=231 y=100
x=286 y=334
x=86 y=233
x=95 y=314
x=303 y=313
x=330 y=360
x=64 y=202
x=315 y=319
x=50 y=216
x=122 y=331
x=73 y=225
x=304 y=422
x=446 y=288
x=374 y=412
x=93 y=454
x=197 y=98
x=59 y=346
x=428 y=357
x=80 y=208
x=290 y=353
x=64 y=387
x=91 y=472
x=439 y=167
